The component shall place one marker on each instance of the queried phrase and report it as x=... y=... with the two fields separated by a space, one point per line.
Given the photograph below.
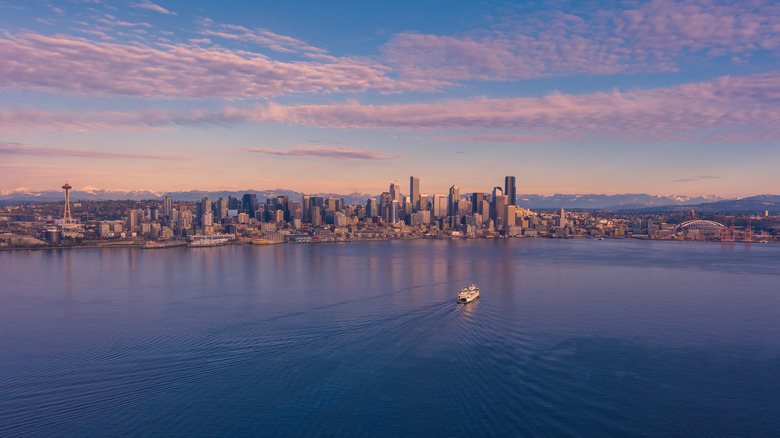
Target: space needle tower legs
x=66 y=217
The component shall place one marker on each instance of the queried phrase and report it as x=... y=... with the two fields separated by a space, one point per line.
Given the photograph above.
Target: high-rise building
x=476 y=202
x=495 y=211
x=372 y=208
x=249 y=204
x=203 y=207
x=423 y=202
x=207 y=219
x=510 y=190
x=132 y=220
x=167 y=207
x=221 y=209
x=395 y=192
x=385 y=199
x=499 y=207
x=394 y=211
x=452 y=200
x=439 y=206
x=305 y=207
x=295 y=210
x=414 y=192
x=185 y=219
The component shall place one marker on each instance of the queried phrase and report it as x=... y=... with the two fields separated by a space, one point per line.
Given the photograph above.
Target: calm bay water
x=568 y=338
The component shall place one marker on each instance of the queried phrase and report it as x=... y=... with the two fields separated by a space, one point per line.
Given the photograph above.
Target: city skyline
x=658 y=97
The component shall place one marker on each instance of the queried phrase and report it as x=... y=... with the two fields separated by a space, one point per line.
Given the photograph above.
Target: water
x=568 y=338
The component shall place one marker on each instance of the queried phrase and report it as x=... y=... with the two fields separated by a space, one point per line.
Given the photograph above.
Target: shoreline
x=142 y=245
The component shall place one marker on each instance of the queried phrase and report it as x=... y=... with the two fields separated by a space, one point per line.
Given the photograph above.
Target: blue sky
x=659 y=97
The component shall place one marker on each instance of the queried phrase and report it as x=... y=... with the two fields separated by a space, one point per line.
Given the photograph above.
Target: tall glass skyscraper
x=414 y=192
x=510 y=190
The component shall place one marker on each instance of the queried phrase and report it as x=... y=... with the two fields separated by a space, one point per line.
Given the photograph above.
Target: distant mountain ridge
x=609 y=202
x=570 y=201
x=22 y=195
x=759 y=204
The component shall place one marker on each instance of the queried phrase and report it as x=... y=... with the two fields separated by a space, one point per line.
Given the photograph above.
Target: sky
x=659 y=97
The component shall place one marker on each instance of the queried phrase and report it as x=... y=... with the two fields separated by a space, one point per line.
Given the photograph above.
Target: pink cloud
x=260 y=36
x=649 y=37
x=76 y=65
x=696 y=178
x=111 y=21
x=506 y=138
x=154 y=7
x=727 y=109
x=334 y=152
x=8 y=148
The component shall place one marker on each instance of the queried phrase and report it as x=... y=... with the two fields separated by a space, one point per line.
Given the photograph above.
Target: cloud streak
x=10 y=148
x=260 y=36
x=154 y=7
x=696 y=178
x=76 y=65
x=332 y=152
x=647 y=38
x=726 y=109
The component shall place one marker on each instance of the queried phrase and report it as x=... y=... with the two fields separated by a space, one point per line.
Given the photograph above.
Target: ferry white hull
x=468 y=294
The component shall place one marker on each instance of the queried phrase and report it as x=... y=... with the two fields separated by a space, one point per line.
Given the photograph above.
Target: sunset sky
x=658 y=97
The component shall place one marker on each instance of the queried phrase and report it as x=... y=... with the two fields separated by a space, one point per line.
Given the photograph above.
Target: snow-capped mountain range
x=575 y=201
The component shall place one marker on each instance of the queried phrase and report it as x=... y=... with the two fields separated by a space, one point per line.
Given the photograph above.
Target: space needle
x=66 y=217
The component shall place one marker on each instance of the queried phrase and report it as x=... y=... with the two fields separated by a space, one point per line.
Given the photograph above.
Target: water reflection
x=576 y=337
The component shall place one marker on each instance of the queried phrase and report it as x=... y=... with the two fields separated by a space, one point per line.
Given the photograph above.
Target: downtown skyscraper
x=510 y=190
x=414 y=192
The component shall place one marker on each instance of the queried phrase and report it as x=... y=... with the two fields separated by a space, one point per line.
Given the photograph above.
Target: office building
x=203 y=207
x=395 y=192
x=510 y=190
x=221 y=209
x=452 y=200
x=414 y=192
x=167 y=207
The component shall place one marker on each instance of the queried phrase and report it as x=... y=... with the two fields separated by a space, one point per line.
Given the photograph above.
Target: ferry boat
x=468 y=294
